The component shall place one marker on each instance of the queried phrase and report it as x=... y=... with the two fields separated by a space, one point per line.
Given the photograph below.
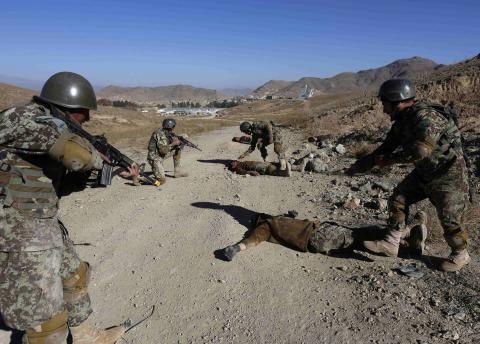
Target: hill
x=271 y=87
x=354 y=82
x=159 y=94
x=11 y=95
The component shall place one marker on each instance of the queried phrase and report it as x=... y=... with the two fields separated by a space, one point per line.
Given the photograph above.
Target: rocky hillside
x=271 y=87
x=360 y=81
x=159 y=94
x=11 y=95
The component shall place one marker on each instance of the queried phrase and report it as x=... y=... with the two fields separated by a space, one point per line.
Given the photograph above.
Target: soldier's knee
x=52 y=331
x=397 y=208
x=76 y=286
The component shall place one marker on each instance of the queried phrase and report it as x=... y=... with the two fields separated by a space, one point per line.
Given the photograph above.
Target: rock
x=316 y=165
x=351 y=202
x=367 y=187
x=340 y=149
x=382 y=203
x=384 y=186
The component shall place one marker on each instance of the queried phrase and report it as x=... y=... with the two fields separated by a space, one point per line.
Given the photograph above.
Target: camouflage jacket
x=261 y=131
x=30 y=181
x=424 y=137
x=159 y=144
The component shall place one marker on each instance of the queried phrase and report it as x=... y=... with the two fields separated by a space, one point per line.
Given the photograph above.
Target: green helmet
x=69 y=90
x=169 y=123
x=396 y=90
x=245 y=127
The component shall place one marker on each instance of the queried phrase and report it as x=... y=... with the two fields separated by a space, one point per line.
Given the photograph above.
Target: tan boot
x=388 y=246
x=418 y=234
x=283 y=164
x=456 y=261
x=178 y=172
x=87 y=334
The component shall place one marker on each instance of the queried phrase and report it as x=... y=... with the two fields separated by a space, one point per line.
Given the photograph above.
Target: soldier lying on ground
x=257 y=168
x=318 y=236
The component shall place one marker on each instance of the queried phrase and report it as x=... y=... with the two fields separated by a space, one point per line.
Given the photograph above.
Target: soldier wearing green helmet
x=426 y=135
x=43 y=282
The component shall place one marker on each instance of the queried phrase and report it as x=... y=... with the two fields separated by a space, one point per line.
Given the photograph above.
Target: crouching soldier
x=425 y=135
x=264 y=134
x=317 y=236
x=43 y=282
x=162 y=145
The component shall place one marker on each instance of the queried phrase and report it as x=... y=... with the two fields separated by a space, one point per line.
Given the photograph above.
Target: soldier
x=163 y=144
x=257 y=168
x=427 y=136
x=317 y=236
x=264 y=134
x=43 y=282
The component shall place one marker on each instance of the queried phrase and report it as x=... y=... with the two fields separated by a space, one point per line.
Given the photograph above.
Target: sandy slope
x=156 y=247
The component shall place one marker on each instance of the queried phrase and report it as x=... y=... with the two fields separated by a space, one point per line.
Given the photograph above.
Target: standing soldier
x=264 y=134
x=164 y=144
x=427 y=136
x=43 y=282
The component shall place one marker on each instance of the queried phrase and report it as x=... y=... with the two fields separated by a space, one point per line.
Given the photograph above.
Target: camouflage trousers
x=31 y=287
x=157 y=163
x=449 y=195
x=278 y=146
x=326 y=236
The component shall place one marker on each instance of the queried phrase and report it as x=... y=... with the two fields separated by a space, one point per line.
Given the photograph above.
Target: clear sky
x=220 y=44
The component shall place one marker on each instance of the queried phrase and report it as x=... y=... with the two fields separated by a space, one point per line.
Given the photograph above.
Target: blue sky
x=220 y=44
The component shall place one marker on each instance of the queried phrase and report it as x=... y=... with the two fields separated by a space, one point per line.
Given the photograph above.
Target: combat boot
x=456 y=261
x=388 y=246
x=87 y=334
x=283 y=164
x=178 y=171
x=136 y=181
x=418 y=234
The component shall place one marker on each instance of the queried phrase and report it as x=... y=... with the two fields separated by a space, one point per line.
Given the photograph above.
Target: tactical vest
x=26 y=188
x=448 y=147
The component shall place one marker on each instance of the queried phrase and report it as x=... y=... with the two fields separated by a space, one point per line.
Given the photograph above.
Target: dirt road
x=156 y=247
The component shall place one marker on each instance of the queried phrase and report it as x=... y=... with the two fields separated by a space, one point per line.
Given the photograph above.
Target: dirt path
x=156 y=247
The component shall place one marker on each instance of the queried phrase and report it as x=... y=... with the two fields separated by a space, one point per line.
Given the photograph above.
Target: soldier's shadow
x=15 y=335
x=242 y=215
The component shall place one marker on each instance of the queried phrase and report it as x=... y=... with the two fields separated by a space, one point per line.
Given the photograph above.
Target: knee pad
x=76 y=286
x=52 y=331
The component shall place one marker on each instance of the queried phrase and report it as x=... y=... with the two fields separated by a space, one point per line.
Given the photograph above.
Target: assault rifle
x=115 y=157
x=183 y=141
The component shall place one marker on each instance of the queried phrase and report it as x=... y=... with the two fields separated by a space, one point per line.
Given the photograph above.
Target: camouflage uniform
x=159 y=149
x=263 y=168
x=265 y=132
x=432 y=143
x=39 y=267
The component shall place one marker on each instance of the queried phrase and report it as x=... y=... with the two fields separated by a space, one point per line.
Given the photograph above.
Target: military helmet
x=169 y=123
x=69 y=90
x=245 y=127
x=396 y=90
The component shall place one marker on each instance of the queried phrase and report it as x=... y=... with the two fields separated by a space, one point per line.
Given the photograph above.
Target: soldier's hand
x=254 y=173
x=176 y=142
x=133 y=171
